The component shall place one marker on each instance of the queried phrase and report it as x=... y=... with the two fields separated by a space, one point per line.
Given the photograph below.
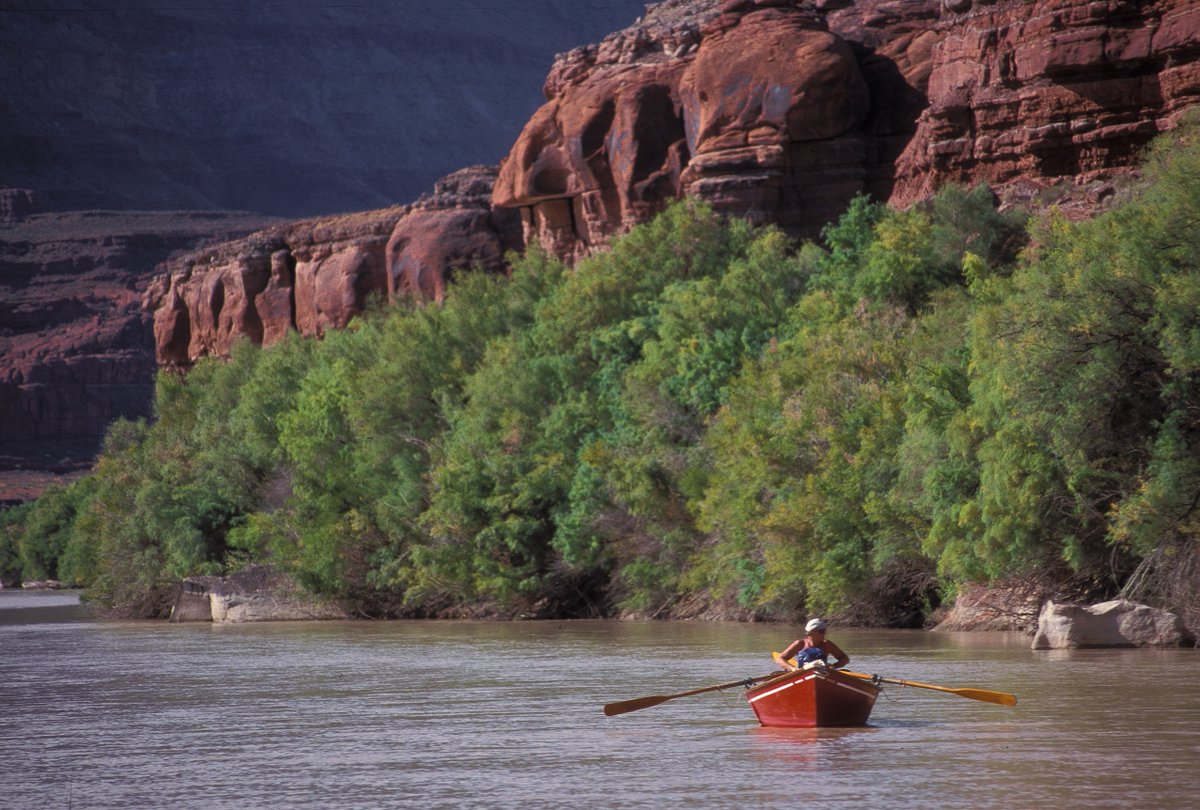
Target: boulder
x=41 y=585
x=271 y=607
x=1006 y=606
x=255 y=594
x=1118 y=623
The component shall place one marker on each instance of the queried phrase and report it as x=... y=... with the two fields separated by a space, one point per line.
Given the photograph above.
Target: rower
x=815 y=646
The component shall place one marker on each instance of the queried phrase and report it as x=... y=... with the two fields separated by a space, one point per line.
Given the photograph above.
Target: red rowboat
x=813 y=698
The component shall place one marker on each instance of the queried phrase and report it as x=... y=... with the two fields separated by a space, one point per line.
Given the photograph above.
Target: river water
x=507 y=715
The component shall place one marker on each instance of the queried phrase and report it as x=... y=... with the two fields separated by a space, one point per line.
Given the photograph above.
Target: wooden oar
x=986 y=695
x=622 y=706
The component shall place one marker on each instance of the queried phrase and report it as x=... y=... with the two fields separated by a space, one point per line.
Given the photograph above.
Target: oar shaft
x=985 y=695
x=635 y=704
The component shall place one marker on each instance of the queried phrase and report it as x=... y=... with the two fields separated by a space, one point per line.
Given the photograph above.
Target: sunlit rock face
x=770 y=109
x=1029 y=94
x=316 y=275
x=779 y=111
x=309 y=276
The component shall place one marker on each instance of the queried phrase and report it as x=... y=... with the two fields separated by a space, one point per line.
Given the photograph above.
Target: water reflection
x=443 y=714
x=39 y=607
x=804 y=748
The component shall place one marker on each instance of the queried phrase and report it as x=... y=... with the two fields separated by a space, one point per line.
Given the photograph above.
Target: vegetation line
x=705 y=415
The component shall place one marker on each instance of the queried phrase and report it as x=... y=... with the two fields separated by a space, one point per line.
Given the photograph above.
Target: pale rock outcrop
x=255 y=594
x=1117 y=623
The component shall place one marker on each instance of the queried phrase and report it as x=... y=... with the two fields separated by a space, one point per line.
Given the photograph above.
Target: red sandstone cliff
x=782 y=111
x=314 y=275
x=776 y=110
x=1029 y=94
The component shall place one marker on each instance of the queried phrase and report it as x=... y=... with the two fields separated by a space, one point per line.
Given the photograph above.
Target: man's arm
x=840 y=657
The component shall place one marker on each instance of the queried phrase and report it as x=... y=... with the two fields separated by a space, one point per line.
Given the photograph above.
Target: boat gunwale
x=788 y=680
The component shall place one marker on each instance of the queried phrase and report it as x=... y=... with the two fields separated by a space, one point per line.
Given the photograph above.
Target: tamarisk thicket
x=706 y=416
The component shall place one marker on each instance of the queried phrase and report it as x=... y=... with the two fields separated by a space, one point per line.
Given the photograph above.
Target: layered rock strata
x=76 y=349
x=1027 y=95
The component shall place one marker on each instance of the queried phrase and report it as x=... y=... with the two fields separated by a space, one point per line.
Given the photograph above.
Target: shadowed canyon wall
x=76 y=348
x=294 y=109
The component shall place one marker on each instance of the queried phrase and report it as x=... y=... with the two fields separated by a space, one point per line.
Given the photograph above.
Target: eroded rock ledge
x=315 y=275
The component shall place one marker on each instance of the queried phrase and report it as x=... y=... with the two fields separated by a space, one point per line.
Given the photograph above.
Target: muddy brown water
x=466 y=714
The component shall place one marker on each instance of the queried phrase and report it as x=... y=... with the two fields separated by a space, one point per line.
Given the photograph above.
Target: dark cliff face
x=291 y=109
x=76 y=347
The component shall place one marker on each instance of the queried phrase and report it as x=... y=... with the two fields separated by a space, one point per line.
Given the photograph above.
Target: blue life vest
x=810 y=654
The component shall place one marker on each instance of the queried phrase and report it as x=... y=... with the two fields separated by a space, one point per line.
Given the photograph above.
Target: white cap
x=815 y=624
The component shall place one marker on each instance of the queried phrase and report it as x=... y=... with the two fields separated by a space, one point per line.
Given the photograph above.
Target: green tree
x=12 y=528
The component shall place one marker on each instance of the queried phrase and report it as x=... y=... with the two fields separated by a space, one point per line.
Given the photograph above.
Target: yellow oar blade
x=988 y=696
